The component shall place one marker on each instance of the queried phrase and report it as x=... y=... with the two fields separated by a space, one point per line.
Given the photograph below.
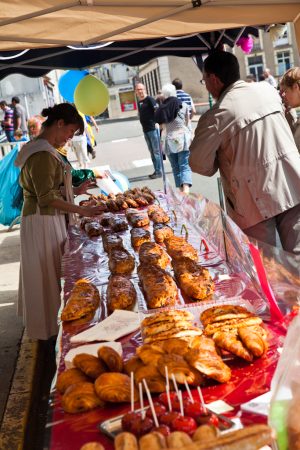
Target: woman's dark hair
x=63 y=111
x=224 y=65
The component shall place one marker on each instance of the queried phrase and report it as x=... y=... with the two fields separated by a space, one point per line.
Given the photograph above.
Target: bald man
x=147 y=106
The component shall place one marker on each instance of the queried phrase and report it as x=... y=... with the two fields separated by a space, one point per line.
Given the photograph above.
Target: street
x=121 y=145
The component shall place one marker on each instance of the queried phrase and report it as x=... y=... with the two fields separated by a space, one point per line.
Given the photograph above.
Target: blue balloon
x=68 y=83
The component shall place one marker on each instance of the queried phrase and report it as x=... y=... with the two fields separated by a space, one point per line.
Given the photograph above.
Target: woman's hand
x=91 y=211
x=88 y=184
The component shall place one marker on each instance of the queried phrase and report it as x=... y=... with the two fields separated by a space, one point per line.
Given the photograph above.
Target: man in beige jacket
x=246 y=136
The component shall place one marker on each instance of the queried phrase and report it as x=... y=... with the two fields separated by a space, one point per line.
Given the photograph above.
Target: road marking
x=6 y=304
x=142 y=162
x=119 y=140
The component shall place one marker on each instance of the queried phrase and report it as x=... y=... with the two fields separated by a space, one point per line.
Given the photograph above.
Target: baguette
x=252 y=437
x=153 y=441
x=126 y=441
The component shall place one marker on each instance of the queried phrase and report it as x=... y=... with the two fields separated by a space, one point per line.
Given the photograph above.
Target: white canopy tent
x=52 y=23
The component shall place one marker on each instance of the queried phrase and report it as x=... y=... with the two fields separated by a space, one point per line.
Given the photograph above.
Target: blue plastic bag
x=11 y=193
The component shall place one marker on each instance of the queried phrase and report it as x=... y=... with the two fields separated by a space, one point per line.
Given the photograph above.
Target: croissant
x=254 y=339
x=69 y=377
x=205 y=359
x=111 y=358
x=149 y=354
x=229 y=341
x=178 y=367
x=177 y=346
x=150 y=373
x=89 y=364
x=80 y=397
x=114 y=387
x=132 y=364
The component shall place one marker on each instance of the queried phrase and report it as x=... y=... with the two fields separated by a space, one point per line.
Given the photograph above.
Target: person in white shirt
x=269 y=78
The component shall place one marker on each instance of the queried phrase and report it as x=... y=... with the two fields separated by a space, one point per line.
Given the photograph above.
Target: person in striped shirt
x=8 y=122
x=184 y=96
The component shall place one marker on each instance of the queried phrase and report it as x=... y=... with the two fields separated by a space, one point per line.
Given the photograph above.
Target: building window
x=283 y=40
x=283 y=62
x=255 y=66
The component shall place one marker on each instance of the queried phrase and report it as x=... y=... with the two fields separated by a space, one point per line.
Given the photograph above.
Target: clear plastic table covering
x=224 y=249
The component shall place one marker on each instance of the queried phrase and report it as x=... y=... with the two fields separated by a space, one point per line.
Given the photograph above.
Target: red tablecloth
x=85 y=258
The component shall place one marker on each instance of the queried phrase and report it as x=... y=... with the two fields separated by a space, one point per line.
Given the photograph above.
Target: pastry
x=114 y=387
x=105 y=219
x=159 y=287
x=149 y=354
x=161 y=231
x=89 y=364
x=178 y=248
x=193 y=279
x=111 y=358
x=254 y=339
x=139 y=236
x=118 y=223
x=230 y=342
x=79 y=398
x=165 y=326
x=84 y=299
x=178 y=367
x=69 y=377
x=153 y=441
x=157 y=214
x=205 y=359
x=150 y=373
x=138 y=219
x=224 y=312
x=121 y=293
x=231 y=324
x=175 y=333
x=132 y=364
x=153 y=254
x=172 y=315
x=111 y=241
x=120 y=261
x=93 y=229
x=126 y=441
x=178 y=439
x=177 y=346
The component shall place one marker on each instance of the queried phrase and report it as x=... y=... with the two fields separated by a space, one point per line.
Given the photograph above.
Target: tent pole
x=297 y=32
x=39 y=13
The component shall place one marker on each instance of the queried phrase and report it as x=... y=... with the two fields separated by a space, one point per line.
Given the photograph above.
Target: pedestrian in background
x=246 y=136
x=269 y=78
x=8 y=121
x=184 y=96
x=20 y=116
x=174 y=116
x=147 y=107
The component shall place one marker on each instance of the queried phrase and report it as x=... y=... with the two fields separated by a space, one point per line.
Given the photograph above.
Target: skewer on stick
x=132 y=391
x=175 y=383
x=141 y=400
x=168 y=389
x=180 y=403
x=201 y=398
x=189 y=391
x=151 y=403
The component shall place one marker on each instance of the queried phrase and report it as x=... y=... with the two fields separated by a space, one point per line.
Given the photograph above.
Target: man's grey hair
x=168 y=90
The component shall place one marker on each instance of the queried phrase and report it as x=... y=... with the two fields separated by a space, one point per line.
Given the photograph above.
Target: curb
x=15 y=418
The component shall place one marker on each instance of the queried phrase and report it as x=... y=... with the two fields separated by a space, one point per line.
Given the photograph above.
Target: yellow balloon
x=91 y=96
